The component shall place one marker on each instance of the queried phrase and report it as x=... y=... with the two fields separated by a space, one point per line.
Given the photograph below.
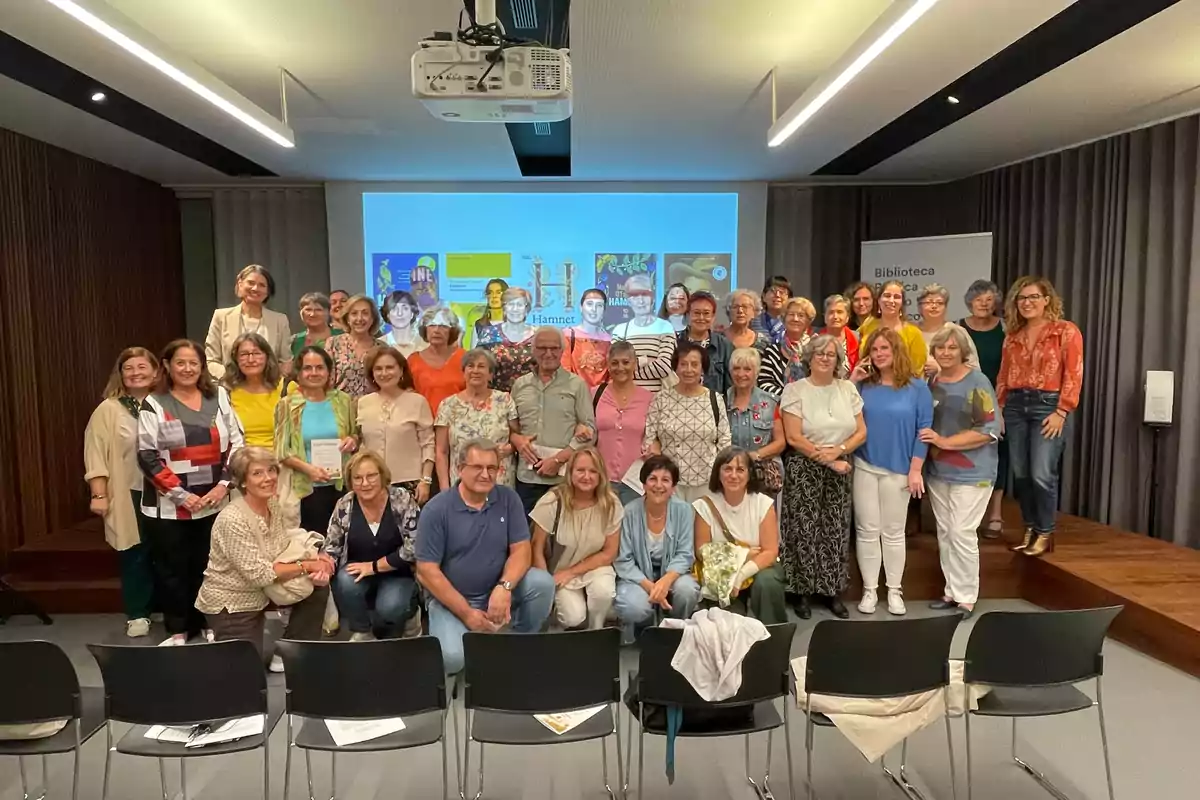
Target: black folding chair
x=40 y=685
x=885 y=659
x=765 y=678
x=183 y=686
x=361 y=680
x=1032 y=661
x=509 y=677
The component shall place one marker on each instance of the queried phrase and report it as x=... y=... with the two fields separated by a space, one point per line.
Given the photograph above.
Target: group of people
x=592 y=473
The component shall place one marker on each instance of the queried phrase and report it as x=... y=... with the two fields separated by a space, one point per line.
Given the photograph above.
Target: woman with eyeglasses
x=651 y=337
x=315 y=313
x=889 y=313
x=932 y=301
x=742 y=306
x=317 y=413
x=1041 y=376
x=253 y=380
x=372 y=541
x=789 y=367
x=985 y=326
x=823 y=423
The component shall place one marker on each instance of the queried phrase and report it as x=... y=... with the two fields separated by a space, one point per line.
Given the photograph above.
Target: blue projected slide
x=446 y=247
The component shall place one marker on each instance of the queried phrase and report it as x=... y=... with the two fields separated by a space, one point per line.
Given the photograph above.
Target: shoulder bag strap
x=712 y=399
x=596 y=397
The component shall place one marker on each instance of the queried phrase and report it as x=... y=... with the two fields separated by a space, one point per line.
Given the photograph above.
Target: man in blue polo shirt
x=473 y=557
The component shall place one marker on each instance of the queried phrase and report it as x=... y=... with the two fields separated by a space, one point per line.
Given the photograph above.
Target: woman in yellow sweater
x=253 y=380
x=889 y=313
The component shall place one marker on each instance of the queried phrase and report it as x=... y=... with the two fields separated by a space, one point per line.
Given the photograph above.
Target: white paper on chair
x=352 y=731
x=567 y=720
x=225 y=732
x=633 y=477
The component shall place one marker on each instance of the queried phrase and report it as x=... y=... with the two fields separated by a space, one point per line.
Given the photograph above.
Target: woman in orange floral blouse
x=1041 y=375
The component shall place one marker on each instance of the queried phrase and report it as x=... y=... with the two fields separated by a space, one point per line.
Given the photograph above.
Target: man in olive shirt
x=554 y=416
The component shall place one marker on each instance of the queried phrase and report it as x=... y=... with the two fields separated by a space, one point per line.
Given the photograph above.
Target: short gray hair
x=746 y=355
x=479 y=354
x=640 y=278
x=480 y=444
x=736 y=295
x=834 y=299
x=814 y=345
x=562 y=340
x=314 y=298
x=622 y=346
x=948 y=332
x=983 y=286
x=244 y=458
x=934 y=290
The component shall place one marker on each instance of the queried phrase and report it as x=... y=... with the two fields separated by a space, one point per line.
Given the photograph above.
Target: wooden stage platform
x=1158 y=583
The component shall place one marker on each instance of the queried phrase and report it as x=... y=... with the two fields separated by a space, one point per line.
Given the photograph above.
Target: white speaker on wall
x=1160 y=397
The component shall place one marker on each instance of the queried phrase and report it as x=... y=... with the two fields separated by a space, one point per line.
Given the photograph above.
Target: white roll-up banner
x=953 y=261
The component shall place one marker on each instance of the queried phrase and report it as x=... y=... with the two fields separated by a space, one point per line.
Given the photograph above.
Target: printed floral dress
x=464 y=422
x=349 y=371
x=513 y=359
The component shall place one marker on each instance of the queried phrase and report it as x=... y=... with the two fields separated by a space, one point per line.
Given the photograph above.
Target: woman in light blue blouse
x=887 y=469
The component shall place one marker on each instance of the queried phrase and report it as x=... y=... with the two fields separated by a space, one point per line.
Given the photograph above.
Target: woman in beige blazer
x=110 y=461
x=254 y=286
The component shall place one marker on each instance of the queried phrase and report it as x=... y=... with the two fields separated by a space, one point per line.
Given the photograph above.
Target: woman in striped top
x=186 y=432
x=652 y=338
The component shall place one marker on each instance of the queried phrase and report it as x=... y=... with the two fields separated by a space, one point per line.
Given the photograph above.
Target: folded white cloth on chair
x=875 y=726
x=711 y=650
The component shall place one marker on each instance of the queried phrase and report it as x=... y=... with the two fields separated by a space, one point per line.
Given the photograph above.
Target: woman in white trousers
x=961 y=465
x=887 y=469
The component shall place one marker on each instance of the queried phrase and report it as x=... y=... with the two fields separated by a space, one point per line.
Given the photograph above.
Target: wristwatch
x=506 y=585
x=428 y=479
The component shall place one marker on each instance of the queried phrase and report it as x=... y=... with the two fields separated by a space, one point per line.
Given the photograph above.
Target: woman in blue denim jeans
x=1041 y=375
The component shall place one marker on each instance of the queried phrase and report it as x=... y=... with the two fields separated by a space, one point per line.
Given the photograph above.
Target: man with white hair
x=554 y=416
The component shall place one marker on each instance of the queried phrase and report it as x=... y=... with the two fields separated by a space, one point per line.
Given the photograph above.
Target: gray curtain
x=281 y=228
x=1115 y=225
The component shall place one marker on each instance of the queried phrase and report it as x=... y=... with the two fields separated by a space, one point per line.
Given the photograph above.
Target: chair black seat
x=764 y=717
x=135 y=743
x=419 y=730
x=92 y=700
x=493 y=727
x=820 y=719
x=1033 y=701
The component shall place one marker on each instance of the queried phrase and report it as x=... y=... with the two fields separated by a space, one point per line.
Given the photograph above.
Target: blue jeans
x=530 y=493
x=626 y=494
x=1035 y=460
x=390 y=595
x=633 y=604
x=531 y=600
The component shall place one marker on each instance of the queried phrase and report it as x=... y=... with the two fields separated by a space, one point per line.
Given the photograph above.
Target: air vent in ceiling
x=525 y=14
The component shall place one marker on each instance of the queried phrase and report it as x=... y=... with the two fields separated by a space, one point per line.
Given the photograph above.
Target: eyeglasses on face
x=1030 y=298
x=825 y=355
x=363 y=480
x=490 y=469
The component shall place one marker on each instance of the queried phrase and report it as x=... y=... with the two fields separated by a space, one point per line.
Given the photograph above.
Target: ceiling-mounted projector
x=461 y=82
x=484 y=75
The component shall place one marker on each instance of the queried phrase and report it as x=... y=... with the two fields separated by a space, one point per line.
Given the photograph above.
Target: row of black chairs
x=1031 y=662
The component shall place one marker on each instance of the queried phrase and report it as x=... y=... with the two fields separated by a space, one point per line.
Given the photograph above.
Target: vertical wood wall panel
x=90 y=263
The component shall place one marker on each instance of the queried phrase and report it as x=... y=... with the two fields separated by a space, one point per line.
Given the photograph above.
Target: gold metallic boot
x=1042 y=543
x=1024 y=542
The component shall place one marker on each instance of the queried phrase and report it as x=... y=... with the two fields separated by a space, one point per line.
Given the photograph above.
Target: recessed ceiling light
x=99 y=97
x=952 y=100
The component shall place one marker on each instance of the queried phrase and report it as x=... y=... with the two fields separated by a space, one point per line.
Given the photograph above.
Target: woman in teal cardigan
x=654 y=563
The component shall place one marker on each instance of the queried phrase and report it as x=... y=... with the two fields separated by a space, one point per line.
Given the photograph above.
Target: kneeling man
x=473 y=557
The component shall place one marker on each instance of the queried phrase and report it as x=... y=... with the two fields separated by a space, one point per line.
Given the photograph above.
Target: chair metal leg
x=628 y=753
x=108 y=751
x=333 y=776
x=308 y=774
x=162 y=778
x=604 y=768
x=901 y=778
x=787 y=743
x=808 y=753
x=950 y=753
x=45 y=776
x=641 y=749
x=622 y=765
x=1033 y=773
x=1104 y=737
x=445 y=760
x=479 y=793
x=183 y=779
x=459 y=770
x=763 y=792
x=287 y=759
x=465 y=785
x=266 y=760
x=967 y=722
x=75 y=763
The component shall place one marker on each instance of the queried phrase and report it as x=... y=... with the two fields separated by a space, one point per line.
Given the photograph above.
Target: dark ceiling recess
x=539 y=154
x=50 y=76
x=1070 y=33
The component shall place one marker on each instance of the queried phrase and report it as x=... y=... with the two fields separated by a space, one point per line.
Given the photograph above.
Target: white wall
x=343 y=208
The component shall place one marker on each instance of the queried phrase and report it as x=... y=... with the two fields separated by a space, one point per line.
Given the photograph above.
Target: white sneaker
x=137 y=627
x=362 y=637
x=208 y=635
x=896 y=602
x=412 y=627
x=869 y=600
x=276 y=663
x=176 y=640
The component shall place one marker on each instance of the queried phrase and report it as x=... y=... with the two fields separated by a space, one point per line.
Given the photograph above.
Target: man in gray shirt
x=473 y=557
x=554 y=416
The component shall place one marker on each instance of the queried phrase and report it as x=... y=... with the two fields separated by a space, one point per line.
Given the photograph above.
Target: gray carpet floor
x=1153 y=714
